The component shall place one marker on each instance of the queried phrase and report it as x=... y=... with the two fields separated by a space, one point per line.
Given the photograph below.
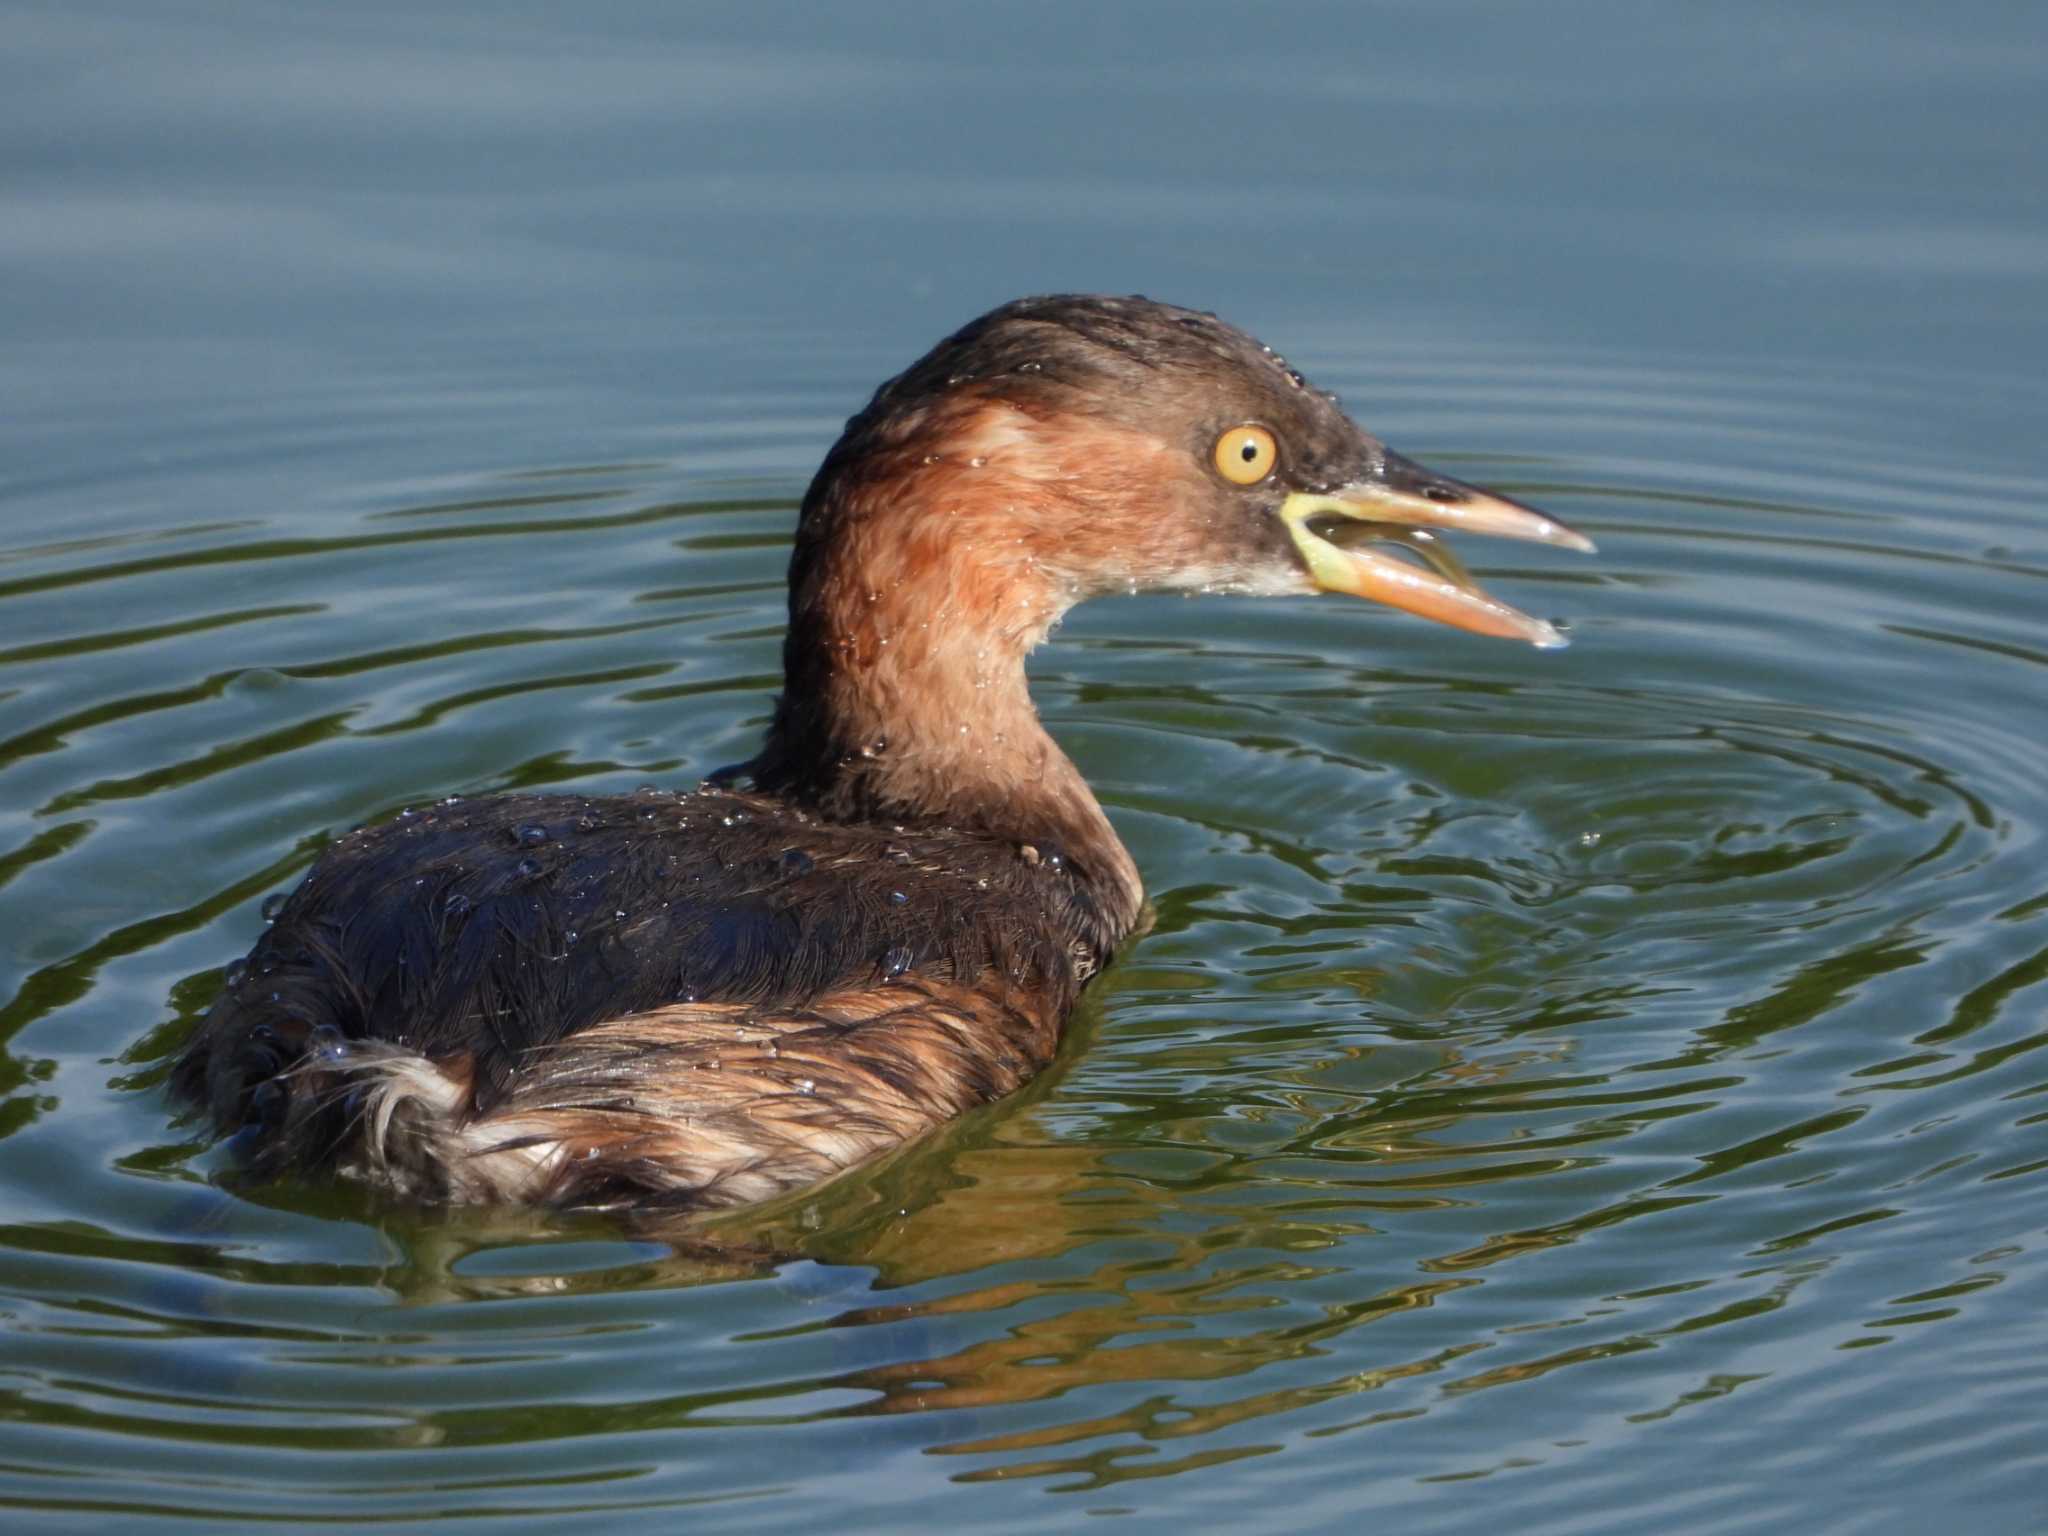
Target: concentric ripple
x=1657 y=1021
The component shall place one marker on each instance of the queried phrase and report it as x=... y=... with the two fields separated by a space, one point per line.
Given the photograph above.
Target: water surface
x=1591 y=1089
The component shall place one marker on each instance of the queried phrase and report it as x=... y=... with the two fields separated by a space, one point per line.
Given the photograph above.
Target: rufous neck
x=905 y=698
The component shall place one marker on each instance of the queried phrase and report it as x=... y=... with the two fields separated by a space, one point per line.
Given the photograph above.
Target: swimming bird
x=699 y=999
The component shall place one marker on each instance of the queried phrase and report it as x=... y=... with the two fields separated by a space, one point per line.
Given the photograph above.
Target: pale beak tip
x=1550 y=531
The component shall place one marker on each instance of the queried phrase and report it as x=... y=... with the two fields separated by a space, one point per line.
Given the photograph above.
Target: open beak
x=1404 y=504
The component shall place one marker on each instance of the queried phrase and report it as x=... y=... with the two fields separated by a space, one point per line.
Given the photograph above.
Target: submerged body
x=704 y=999
x=707 y=997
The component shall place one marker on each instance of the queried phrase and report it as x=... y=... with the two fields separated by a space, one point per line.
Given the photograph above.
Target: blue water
x=1587 y=1091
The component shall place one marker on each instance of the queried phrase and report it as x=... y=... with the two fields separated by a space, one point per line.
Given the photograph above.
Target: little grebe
x=704 y=999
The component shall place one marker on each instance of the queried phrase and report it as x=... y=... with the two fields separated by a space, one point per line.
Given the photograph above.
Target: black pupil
x=1249 y=452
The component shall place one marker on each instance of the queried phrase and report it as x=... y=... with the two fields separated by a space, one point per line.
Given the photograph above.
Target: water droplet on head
x=455 y=904
x=528 y=867
x=806 y=1086
x=274 y=904
x=236 y=975
x=896 y=962
x=795 y=862
x=530 y=834
x=898 y=898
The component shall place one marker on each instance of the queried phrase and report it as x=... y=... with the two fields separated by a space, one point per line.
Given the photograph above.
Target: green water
x=1580 y=1091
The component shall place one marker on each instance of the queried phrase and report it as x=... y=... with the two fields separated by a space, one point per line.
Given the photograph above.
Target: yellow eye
x=1245 y=455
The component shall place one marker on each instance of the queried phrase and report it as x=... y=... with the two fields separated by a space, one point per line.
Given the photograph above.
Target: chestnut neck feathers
x=924 y=572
